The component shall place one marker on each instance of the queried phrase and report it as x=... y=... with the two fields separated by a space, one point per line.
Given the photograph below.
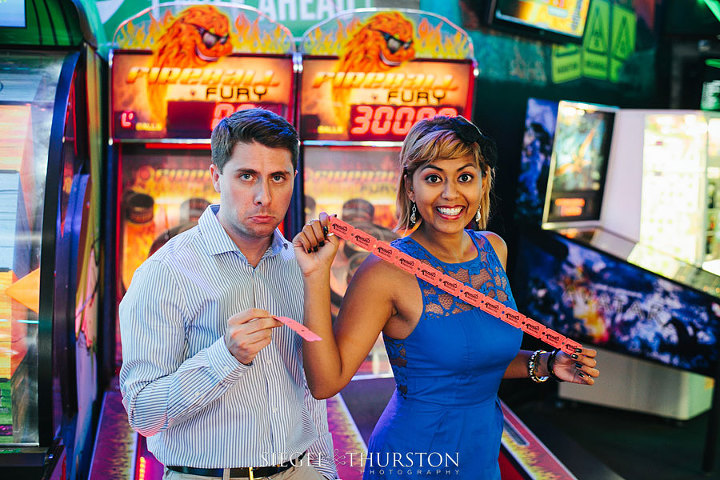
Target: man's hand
x=315 y=248
x=248 y=332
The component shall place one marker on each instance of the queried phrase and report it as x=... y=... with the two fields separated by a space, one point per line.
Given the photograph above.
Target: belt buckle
x=250 y=473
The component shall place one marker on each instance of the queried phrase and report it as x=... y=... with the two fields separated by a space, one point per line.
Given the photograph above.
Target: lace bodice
x=485 y=273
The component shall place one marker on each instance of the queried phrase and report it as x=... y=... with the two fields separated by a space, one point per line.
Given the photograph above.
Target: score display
x=390 y=122
x=193 y=119
x=198 y=119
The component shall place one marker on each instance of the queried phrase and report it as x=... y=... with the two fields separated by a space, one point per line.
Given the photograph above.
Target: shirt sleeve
x=158 y=385
x=321 y=451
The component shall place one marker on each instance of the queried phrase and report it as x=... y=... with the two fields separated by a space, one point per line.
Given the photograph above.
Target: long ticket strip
x=454 y=287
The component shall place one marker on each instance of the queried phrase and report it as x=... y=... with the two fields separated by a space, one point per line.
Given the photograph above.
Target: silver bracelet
x=532 y=367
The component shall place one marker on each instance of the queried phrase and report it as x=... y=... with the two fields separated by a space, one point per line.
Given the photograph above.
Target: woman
x=448 y=357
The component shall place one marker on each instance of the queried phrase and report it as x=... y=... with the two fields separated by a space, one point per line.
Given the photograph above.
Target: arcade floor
x=595 y=443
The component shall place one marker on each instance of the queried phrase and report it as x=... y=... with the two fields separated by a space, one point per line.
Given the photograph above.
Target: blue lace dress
x=444 y=419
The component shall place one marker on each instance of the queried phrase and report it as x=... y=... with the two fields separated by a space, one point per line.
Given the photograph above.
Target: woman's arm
x=367 y=306
x=576 y=368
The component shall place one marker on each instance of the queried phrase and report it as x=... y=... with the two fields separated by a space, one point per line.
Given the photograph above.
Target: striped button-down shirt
x=182 y=388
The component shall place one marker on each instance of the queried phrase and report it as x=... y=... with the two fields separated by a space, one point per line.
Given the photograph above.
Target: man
x=208 y=375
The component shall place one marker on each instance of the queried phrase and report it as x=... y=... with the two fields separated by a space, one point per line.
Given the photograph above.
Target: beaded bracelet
x=532 y=367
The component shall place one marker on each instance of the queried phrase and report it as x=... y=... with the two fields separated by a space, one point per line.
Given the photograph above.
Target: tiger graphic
x=384 y=42
x=199 y=36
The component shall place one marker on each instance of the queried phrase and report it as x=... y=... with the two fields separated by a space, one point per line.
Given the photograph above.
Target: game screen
x=595 y=299
x=535 y=159
x=562 y=17
x=164 y=192
x=579 y=162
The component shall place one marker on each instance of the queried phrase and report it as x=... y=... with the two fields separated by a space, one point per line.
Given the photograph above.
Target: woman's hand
x=580 y=367
x=315 y=248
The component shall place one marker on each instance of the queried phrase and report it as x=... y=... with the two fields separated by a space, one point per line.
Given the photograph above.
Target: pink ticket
x=384 y=251
x=429 y=274
x=299 y=328
x=450 y=285
x=340 y=228
x=471 y=296
x=492 y=306
x=406 y=262
x=531 y=327
x=362 y=239
x=552 y=338
x=513 y=318
x=435 y=277
x=569 y=346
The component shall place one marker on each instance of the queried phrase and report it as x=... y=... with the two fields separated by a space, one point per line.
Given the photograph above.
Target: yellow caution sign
x=623 y=39
x=566 y=63
x=596 y=42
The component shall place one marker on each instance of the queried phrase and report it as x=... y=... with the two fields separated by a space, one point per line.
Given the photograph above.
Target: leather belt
x=242 y=472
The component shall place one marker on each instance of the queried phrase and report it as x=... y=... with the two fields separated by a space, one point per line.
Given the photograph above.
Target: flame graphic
x=430 y=41
x=247 y=36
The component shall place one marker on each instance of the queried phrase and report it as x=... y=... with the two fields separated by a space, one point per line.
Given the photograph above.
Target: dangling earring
x=478 y=215
x=412 y=214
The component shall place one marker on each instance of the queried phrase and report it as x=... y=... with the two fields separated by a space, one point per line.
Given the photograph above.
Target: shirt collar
x=218 y=241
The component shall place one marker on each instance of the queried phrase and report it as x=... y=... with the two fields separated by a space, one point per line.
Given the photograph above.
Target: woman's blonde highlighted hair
x=447 y=138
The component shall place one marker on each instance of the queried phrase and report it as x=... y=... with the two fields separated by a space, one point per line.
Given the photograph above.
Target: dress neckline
x=474 y=239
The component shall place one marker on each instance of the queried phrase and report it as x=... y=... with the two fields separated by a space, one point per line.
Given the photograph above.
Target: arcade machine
x=631 y=271
x=176 y=71
x=367 y=76
x=50 y=116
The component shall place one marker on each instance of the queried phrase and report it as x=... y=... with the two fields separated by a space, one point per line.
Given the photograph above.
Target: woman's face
x=447 y=193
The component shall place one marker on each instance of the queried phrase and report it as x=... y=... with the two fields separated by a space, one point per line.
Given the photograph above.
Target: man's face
x=255 y=187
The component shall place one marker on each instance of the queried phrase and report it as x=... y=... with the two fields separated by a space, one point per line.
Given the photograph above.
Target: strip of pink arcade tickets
x=452 y=286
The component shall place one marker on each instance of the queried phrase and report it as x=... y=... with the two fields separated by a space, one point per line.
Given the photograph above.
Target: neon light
x=142 y=469
x=570 y=207
x=126 y=119
x=384 y=121
x=714 y=7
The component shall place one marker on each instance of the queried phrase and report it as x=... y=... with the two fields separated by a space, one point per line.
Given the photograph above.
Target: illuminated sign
x=337 y=105
x=569 y=207
x=391 y=122
x=152 y=102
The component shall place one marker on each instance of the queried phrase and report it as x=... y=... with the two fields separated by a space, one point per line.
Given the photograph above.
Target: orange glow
x=570 y=207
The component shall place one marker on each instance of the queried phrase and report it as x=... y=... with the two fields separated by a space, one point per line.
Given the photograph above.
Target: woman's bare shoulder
x=497 y=243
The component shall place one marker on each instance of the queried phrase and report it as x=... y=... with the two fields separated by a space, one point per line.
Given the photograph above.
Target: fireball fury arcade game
x=178 y=69
x=368 y=76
